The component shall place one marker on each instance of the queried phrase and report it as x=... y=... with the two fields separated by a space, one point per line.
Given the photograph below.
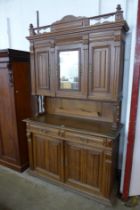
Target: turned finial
x=118 y=8
x=119 y=13
x=31 y=30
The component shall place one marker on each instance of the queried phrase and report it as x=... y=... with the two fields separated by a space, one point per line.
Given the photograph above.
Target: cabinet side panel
x=7 y=118
x=25 y=104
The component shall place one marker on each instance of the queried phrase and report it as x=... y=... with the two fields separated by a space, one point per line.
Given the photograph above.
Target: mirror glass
x=69 y=69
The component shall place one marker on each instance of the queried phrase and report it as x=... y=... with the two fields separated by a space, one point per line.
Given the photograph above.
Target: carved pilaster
x=84 y=68
x=116 y=115
x=28 y=134
x=31 y=47
x=108 y=143
x=52 y=44
x=30 y=148
x=85 y=40
x=118 y=36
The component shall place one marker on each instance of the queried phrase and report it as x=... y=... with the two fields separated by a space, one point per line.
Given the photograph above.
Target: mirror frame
x=79 y=69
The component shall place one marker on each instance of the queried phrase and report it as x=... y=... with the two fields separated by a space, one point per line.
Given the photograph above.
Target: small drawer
x=85 y=139
x=45 y=131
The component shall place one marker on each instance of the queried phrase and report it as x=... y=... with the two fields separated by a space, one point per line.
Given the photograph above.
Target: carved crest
x=70 y=21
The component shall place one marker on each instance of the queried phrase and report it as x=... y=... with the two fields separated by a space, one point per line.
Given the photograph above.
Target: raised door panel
x=43 y=65
x=83 y=168
x=71 y=64
x=73 y=163
x=104 y=60
x=108 y=178
x=47 y=156
x=92 y=165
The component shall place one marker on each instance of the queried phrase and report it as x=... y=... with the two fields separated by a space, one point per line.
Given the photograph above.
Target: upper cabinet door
x=104 y=70
x=44 y=71
x=71 y=77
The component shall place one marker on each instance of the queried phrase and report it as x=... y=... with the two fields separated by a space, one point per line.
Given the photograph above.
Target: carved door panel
x=83 y=167
x=44 y=72
x=71 y=74
x=104 y=67
x=47 y=156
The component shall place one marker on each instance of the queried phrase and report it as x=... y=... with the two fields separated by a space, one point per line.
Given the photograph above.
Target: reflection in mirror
x=69 y=69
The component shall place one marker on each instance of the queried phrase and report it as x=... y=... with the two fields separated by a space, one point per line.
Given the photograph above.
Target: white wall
x=131 y=17
x=23 y=12
x=20 y=13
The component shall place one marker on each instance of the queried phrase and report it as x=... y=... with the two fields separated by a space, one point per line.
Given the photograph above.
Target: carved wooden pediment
x=70 y=21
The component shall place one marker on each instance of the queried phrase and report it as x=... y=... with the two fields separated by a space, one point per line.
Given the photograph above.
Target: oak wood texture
x=101 y=59
x=85 y=126
x=94 y=110
x=79 y=157
x=15 y=105
x=75 y=141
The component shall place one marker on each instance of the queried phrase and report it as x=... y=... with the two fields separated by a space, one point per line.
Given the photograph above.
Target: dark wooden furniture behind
x=77 y=74
x=15 y=105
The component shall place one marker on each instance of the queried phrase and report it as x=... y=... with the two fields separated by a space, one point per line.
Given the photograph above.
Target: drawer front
x=85 y=139
x=72 y=136
x=54 y=132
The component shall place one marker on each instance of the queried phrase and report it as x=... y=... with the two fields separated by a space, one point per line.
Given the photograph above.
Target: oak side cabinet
x=15 y=105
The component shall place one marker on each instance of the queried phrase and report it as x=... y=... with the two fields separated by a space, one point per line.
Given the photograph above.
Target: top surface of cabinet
x=79 y=57
x=8 y=55
x=82 y=125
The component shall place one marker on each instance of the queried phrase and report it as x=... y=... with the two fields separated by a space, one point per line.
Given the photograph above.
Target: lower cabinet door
x=84 y=168
x=47 y=156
